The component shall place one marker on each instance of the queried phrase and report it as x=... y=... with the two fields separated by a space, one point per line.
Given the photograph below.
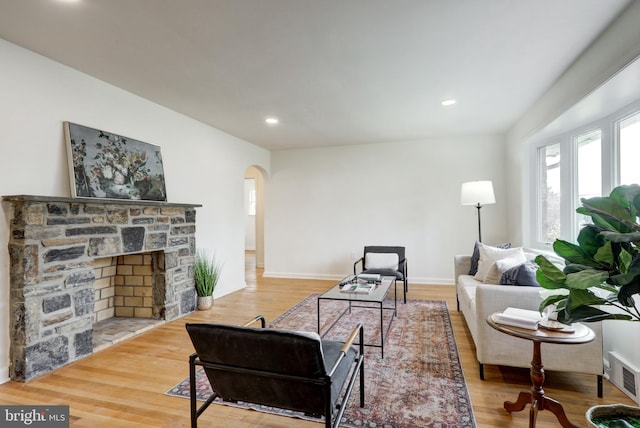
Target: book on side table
x=516 y=317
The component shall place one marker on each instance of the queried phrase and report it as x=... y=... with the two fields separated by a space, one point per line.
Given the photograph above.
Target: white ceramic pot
x=205 y=302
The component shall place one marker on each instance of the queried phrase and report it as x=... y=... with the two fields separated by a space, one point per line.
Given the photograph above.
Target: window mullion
x=609 y=154
x=568 y=178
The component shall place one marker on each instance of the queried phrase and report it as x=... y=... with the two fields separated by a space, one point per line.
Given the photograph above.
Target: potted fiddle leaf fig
x=206 y=275
x=601 y=275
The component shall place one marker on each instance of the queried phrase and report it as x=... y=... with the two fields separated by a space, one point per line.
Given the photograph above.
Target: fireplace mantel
x=59 y=199
x=53 y=244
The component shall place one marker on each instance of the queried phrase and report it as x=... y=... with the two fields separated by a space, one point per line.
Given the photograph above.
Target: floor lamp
x=477 y=193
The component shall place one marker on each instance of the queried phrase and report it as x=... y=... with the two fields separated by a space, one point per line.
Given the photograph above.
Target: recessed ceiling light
x=448 y=102
x=272 y=120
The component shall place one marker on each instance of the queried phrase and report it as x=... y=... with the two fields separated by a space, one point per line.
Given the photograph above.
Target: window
x=629 y=135
x=549 y=191
x=589 y=171
x=578 y=164
x=250 y=195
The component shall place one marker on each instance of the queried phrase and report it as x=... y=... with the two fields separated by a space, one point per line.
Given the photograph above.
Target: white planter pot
x=205 y=302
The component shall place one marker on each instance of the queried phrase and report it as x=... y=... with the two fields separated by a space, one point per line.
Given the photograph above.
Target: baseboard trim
x=4 y=375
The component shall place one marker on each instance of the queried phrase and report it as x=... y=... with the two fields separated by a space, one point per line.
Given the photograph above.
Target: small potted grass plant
x=206 y=275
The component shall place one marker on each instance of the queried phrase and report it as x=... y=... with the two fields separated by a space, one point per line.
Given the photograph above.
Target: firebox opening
x=123 y=297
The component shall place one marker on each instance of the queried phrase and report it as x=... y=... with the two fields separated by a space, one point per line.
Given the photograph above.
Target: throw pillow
x=381 y=261
x=475 y=256
x=500 y=266
x=488 y=257
x=523 y=274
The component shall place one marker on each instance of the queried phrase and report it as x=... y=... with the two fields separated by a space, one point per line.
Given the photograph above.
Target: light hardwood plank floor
x=124 y=385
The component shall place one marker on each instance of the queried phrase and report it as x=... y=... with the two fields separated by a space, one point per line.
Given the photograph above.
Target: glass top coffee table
x=374 y=300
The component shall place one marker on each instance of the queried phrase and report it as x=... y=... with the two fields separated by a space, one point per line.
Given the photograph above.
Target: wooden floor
x=124 y=385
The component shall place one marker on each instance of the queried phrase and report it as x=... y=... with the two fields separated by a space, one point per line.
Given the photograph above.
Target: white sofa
x=477 y=301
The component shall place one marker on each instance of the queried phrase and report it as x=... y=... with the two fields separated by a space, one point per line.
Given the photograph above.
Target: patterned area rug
x=418 y=384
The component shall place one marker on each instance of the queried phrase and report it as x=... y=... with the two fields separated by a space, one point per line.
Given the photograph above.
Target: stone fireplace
x=64 y=257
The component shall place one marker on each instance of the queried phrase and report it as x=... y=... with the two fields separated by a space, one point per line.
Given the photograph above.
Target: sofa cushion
x=466 y=293
x=487 y=270
x=522 y=274
x=475 y=256
x=468 y=286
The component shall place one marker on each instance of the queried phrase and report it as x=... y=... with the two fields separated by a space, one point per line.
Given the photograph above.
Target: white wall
x=324 y=205
x=202 y=165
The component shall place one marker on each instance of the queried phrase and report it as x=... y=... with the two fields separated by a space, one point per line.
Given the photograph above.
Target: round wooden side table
x=536 y=397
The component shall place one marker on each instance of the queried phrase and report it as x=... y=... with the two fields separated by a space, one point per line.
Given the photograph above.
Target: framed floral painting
x=107 y=165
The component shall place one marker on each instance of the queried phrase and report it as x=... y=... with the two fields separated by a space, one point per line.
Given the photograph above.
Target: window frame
x=575 y=137
x=540 y=168
x=616 y=131
x=609 y=127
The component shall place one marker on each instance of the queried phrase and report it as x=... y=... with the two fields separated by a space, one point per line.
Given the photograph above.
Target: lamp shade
x=477 y=193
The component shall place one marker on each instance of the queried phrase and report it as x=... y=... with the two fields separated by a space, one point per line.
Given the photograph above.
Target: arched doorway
x=254 y=179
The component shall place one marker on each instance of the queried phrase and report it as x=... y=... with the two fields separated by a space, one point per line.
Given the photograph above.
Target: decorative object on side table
x=206 y=275
x=106 y=165
x=603 y=269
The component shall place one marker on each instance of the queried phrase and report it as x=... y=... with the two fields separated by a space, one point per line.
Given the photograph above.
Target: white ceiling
x=333 y=71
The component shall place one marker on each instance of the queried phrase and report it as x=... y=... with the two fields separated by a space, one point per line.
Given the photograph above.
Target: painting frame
x=106 y=165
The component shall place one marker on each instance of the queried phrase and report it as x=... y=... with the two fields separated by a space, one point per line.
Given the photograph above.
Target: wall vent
x=624 y=376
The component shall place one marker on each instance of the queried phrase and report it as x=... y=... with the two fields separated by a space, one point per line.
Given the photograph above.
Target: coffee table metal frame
x=375 y=300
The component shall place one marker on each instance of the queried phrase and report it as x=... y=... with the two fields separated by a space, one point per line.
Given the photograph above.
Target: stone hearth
x=53 y=245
